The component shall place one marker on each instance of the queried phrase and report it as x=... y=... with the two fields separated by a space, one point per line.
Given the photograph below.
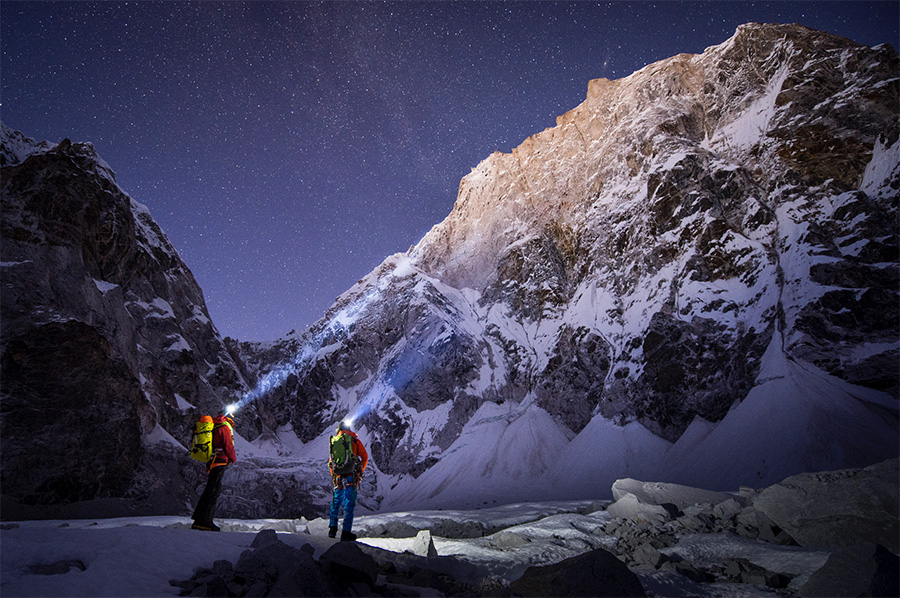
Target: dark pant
x=206 y=508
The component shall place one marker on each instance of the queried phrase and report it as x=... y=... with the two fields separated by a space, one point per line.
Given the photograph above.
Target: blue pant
x=344 y=494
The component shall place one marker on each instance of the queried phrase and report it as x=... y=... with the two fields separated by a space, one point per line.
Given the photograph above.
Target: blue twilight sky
x=287 y=148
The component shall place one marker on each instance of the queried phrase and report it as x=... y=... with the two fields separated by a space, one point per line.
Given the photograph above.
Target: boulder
x=304 y=579
x=594 y=573
x=837 y=509
x=630 y=507
x=423 y=545
x=264 y=538
x=727 y=509
x=743 y=571
x=648 y=555
x=347 y=562
x=659 y=493
x=862 y=570
x=275 y=558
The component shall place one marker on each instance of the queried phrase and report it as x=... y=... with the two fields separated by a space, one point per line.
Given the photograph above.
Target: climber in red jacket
x=223 y=455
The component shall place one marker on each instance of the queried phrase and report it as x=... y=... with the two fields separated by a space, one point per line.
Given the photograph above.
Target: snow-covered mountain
x=692 y=277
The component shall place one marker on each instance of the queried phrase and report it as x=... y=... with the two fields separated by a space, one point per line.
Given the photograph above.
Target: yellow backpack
x=201 y=440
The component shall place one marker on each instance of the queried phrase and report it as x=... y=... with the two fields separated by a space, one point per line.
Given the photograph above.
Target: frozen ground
x=139 y=556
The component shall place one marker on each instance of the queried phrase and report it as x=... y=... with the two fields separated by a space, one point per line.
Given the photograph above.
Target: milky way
x=287 y=148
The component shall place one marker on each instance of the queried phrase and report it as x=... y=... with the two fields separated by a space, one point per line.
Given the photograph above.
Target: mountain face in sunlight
x=622 y=279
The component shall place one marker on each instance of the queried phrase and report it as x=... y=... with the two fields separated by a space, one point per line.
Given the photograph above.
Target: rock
x=861 y=570
x=257 y=589
x=658 y=493
x=57 y=568
x=423 y=545
x=629 y=507
x=264 y=538
x=727 y=509
x=837 y=509
x=595 y=573
x=647 y=555
x=594 y=507
x=688 y=570
x=102 y=321
x=305 y=578
x=743 y=571
x=222 y=568
x=347 y=562
x=775 y=535
x=506 y=539
x=317 y=527
x=274 y=559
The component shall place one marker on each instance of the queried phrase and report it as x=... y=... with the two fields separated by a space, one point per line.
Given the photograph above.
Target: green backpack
x=201 y=440
x=343 y=461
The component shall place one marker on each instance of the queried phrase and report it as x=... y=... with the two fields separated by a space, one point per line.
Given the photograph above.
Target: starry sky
x=287 y=148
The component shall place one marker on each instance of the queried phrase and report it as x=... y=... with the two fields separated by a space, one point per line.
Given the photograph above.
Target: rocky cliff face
x=635 y=264
x=108 y=352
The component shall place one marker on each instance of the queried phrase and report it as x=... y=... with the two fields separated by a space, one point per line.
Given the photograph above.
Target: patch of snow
x=159 y=436
x=183 y=405
x=104 y=286
x=176 y=342
x=750 y=127
x=881 y=169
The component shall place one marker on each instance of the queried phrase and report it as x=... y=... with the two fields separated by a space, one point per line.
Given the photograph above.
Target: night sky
x=287 y=148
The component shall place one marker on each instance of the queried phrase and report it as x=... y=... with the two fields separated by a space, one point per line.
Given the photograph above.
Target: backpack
x=343 y=461
x=201 y=440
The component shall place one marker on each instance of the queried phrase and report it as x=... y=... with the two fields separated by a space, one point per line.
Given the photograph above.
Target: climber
x=223 y=455
x=347 y=462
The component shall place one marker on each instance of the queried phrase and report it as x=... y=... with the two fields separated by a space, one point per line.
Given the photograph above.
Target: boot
x=347 y=536
x=208 y=527
x=332 y=532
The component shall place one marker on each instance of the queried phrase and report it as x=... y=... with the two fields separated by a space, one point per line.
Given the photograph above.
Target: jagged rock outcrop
x=639 y=263
x=108 y=352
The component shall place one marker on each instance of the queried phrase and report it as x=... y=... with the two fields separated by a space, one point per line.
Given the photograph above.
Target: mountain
x=692 y=277
x=108 y=351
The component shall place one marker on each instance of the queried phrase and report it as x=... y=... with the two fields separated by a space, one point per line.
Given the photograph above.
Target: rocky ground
x=822 y=534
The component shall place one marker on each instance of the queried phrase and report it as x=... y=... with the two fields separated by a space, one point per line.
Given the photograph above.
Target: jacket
x=222 y=442
x=358 y=450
